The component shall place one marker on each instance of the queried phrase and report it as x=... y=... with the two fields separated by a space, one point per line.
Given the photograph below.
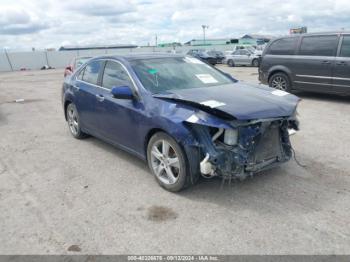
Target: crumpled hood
x=240 y=100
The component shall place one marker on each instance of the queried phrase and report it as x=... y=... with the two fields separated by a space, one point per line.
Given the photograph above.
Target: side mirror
x=122 y=92
x=69 y=68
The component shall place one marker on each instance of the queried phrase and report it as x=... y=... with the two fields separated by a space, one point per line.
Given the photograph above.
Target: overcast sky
x=48 y=23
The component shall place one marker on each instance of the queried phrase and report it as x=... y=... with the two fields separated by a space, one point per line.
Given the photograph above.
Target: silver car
x=242 y=57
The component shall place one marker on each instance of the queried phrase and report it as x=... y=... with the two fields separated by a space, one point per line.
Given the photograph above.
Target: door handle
x=326 y=62
x=100 y=98
x=343 y=63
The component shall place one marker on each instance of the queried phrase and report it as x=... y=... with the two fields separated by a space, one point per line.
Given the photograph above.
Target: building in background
x=173 y=44
x=255 y=39
x=249 y=39
x=210 y=42
x=300 y=30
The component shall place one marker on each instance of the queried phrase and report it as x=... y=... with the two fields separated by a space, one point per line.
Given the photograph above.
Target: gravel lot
x=59 y=195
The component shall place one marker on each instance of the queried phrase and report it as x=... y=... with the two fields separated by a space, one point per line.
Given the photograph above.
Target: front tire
x=280 y=81
x=230 y=63
x=255 y=62
x=168 y=163
x=73 y=121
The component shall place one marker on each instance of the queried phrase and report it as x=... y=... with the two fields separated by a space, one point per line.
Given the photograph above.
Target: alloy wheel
x=279 y=83
x=72 y=118
x=165 y=162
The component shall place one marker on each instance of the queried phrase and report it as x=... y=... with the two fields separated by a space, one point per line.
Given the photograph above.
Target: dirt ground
x=59 y=195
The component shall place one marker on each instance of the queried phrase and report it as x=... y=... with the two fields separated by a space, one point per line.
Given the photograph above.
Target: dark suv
x=311 y=62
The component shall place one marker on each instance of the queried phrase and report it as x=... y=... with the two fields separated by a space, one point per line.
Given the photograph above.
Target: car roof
x=313 y=34
x=138 y=56
x=328 y=33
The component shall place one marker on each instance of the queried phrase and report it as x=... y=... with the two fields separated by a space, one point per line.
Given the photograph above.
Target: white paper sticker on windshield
x=192 y=60
x=212 y=103
x=279 y=93
x=206 y=78
x=192 y=119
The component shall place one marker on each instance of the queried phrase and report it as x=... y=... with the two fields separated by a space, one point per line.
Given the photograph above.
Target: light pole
x=204 y=27
x=8 y=58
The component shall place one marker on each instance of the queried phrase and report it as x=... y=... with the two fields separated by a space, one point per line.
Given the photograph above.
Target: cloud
x=126 y=18
x=13 y=16
x=42 y=23
x=22 y=29
x=16 y=21
x=102 y=8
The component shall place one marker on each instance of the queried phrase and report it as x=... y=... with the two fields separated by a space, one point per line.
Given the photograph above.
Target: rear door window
x=284 y=46
x=92 y=71
x=325 y=45
x=345 y=47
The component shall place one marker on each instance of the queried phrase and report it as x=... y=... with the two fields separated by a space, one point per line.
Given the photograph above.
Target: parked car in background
x=183 y=117
x=318 y=62
x=242 y=57
x=218 y=55
x=251 y=49
x=203 y=55
x=74 y=64
x=259 y=49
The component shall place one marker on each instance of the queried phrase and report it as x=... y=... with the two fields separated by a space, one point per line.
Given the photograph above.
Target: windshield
x=251 y=49
x=162 y=74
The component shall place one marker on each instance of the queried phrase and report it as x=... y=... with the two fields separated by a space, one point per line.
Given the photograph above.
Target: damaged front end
x=243 y=148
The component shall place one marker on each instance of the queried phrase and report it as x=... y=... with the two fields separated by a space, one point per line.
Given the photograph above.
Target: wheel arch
x=148 y=136
x=280 y=69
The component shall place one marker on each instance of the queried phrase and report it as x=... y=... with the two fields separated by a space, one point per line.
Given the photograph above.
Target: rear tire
x=167 y=162
x=73 y=121
x=280 y=81
x=230 y=63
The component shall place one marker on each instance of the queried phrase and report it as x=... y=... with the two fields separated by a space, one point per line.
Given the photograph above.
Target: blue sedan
x=181 y=115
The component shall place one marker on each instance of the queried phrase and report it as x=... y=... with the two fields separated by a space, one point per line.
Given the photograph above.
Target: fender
x=280 y=68
x=67 y=95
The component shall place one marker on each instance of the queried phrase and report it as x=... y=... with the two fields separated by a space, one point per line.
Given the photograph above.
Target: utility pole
x=8 y=59
x=204 y=27
x=156 y=40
